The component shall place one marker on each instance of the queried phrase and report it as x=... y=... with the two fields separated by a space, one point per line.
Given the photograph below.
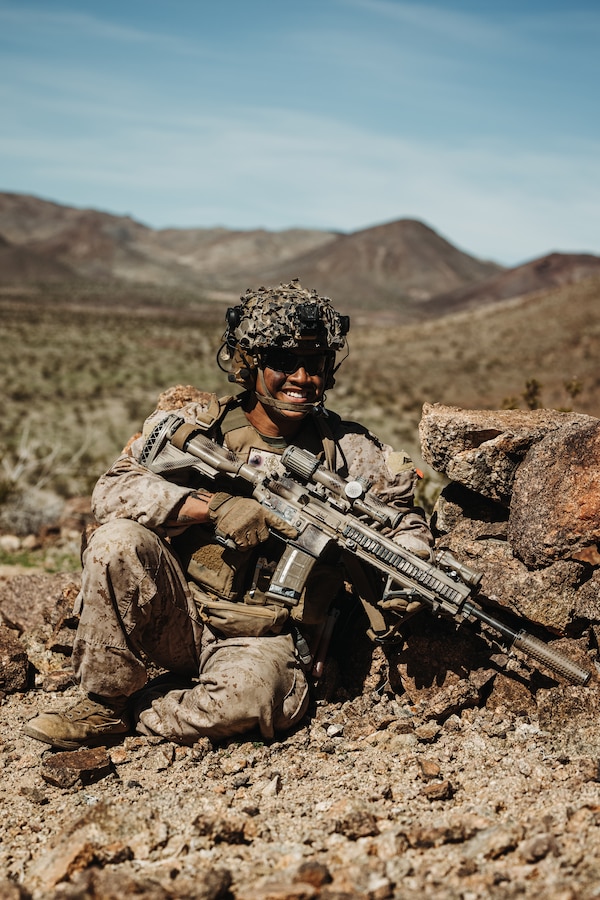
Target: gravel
x=363 y=800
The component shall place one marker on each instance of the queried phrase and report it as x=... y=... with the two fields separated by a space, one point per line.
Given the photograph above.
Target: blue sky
x=480 y=119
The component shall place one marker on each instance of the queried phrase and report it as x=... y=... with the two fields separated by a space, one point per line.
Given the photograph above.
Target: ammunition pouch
x=239 y=619
x=219 y=579
x=229 y=586
x=220 y=570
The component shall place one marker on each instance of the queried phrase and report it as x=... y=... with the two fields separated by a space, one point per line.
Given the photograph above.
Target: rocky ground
x=381 y=792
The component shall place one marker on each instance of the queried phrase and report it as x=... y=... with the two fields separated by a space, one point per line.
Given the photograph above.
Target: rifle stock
x=326 y=508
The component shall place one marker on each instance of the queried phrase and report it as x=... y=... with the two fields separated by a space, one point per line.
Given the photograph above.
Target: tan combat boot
x=91 y=721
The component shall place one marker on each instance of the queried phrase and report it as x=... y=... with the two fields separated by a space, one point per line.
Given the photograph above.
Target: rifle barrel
x=533 y=647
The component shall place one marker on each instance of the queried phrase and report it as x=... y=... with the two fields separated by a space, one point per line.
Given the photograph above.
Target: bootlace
x=85 y=708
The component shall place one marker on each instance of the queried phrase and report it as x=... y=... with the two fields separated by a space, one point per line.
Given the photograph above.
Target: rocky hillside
x=21 y=266
x=402 y=261
x=544 y=274
x=98 y=245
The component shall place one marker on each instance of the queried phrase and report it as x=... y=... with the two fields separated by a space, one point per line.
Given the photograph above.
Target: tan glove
x=402 y=606
x=245 y=521
x=415 y=545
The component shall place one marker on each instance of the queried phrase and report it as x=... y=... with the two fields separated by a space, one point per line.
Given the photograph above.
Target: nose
x=299 y=374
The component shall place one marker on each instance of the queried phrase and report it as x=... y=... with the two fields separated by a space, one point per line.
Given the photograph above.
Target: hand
x=245 y=521
x=402 y=606
x=415 y=545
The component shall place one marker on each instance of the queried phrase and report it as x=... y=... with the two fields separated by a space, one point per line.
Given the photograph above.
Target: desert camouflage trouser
x=135 y=604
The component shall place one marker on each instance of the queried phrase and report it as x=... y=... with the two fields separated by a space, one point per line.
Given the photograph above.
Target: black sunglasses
x=287 y=361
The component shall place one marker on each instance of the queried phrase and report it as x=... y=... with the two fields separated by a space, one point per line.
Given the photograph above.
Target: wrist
x=193 y=510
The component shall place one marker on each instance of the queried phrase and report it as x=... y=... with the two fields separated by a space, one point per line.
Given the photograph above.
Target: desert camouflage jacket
x=128 y=490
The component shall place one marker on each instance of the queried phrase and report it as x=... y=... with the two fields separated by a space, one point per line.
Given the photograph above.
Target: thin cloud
x=308 y=171
x=29 y=22
x=330 y=129
x=431 y=19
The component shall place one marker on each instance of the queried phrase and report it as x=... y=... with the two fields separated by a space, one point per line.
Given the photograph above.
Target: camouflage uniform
x=139 y=600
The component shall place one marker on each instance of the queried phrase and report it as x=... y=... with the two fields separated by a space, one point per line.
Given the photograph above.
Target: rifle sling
x=379 y=629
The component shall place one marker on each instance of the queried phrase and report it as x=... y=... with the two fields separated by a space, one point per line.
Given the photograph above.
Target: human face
x=295 y=378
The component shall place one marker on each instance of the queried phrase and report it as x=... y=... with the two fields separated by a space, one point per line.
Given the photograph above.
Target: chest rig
x=229 y=586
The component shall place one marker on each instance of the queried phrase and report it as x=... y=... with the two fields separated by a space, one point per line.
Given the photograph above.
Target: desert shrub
x=82 y=366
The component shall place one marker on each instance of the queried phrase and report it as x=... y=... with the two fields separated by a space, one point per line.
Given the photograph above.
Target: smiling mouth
x=295 y=396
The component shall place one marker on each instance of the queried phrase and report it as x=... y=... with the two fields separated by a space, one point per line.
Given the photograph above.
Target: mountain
x=402 y=269
x=398 y=262
x=543 y=274
x=377 y=267
x=21 y=266
x=103 y=246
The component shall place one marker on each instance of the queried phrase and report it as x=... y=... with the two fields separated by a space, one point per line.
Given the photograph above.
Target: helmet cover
x=287 y=316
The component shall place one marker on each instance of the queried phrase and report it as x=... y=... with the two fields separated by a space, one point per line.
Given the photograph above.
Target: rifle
x=327 y=509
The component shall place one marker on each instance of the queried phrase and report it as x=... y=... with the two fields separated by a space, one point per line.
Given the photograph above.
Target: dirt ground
x=375 y=795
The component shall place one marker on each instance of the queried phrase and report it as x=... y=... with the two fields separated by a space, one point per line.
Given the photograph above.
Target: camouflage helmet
x=285 y=317
x=288 y=317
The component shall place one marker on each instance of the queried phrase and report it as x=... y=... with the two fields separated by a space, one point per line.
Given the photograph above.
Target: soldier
x=158 y=586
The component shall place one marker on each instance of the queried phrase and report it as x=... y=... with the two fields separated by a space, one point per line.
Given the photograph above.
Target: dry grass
x=78 y=381
x=81 y=370
x=481 y=359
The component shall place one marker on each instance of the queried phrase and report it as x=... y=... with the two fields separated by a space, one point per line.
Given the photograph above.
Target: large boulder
x=555 y=505
x=547 y=596
x=482 y=449
x=522 y=507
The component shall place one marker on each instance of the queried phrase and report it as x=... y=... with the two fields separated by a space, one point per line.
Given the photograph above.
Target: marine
x=160 y=585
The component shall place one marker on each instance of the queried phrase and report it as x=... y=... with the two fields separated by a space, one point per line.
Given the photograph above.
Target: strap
x=379 y=629
x=209 y=416
x=218 y=409
x=233 y=418
x=329 y=443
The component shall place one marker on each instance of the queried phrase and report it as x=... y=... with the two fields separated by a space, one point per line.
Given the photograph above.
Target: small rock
x=589 y=769
x=59 y=680
x=538 y=847
x=441 y=790
x=494 y=842
x=118 y=755
x=313 y=872
x=273 y=787
x=10 y=543
x=230 y=829
x=429 y=769
x=354 y=821
x=36 y=795
x=162 y=757
x=11 y=891
x=232 y=766
x=66 y=769
x=280 y=889
x=428 y=732
x=14 y=665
